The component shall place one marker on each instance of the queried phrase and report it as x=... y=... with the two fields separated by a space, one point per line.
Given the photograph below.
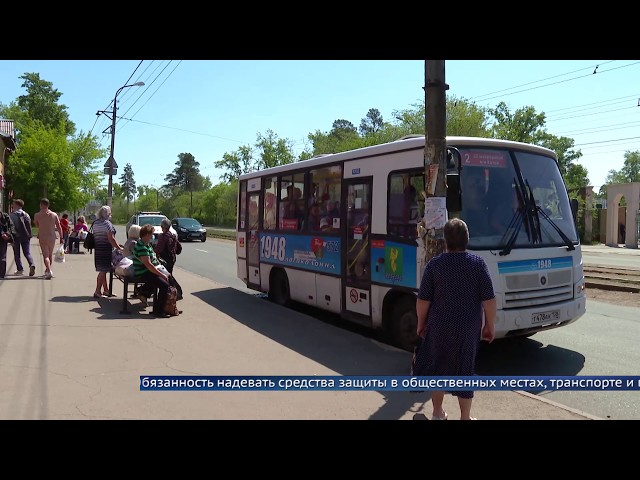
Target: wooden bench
x=126 y=281
x=80 y=243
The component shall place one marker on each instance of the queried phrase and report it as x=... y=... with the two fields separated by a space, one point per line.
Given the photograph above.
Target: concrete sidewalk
x=65 y=355
x=601 y=248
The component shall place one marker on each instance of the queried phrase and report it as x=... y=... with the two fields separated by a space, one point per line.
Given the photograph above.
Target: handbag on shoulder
x=90 y=241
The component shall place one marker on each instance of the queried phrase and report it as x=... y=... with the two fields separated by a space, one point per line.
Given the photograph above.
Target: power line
x=478 y=98
x=594 y=113
x=608 y=151
x=628 y=97
x=562 y=116
x=111 y=101
x=148 y=86
x=183 y=130
x=156 y=90
x=608 y=141
x=596 y=129
x=555 y=83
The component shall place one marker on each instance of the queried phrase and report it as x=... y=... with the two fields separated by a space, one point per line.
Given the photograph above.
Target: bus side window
x=403 y=209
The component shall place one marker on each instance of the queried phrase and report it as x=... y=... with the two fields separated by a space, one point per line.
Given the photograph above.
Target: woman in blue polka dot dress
x=455 y=290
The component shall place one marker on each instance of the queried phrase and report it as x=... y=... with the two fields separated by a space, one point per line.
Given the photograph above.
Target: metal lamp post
x=111 y=167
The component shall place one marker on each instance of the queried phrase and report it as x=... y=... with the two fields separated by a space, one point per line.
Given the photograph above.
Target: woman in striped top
x=104 y=234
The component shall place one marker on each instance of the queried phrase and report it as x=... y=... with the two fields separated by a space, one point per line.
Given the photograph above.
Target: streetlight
x=111 y=167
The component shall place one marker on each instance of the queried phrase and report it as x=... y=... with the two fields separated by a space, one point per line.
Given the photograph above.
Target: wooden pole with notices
x=435 y=156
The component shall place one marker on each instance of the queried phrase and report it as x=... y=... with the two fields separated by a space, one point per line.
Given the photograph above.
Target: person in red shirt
x=80 y=230
x=66 y=230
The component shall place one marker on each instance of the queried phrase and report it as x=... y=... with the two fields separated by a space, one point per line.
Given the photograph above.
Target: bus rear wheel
x=279 y=288
x=404 y=324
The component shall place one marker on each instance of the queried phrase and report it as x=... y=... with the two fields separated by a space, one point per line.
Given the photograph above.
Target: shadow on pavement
x=109 y=308
x=346 y=354
x=527 y=357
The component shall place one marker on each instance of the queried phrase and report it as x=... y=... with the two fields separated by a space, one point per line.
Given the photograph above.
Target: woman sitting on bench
x=145 y=265
x=79 y=233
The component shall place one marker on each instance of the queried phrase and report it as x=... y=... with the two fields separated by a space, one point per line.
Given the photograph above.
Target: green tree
x=564 y=148
x=615 y=176
x=41 y=167
x=371 y=123
x=236 y=163
x=41 y=103
x=273 y=151
x=342 y=137
x=631 y=168
x=128 y=184
x=221 y=204
x=50 y=158
x=630 y=172
x=576 y=177
x=464 y=118
x=186 y=176
x=523 y=125
x=85 y=150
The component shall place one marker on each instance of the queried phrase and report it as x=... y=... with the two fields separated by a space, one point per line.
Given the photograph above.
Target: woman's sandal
x=444 y=417
x=107 y=294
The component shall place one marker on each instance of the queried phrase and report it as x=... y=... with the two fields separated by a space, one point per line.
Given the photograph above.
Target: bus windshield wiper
x=555 y=226
x=539 y=210
x=515 y=223
x=535 y=219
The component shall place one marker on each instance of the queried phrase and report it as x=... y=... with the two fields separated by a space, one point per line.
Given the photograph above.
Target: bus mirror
x=454 y=198
x=574 y=209
x=453 y=160
x=454 y=164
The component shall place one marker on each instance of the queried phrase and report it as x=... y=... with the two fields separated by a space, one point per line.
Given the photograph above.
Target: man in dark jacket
x=6 y=237
x=167 y=247
x=22 y=237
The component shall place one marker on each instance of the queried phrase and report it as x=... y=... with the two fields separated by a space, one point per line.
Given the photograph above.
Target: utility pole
x=111 y=167
x=435 y=158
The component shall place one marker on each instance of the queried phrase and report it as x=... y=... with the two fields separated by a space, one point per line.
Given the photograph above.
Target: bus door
x=356 y=243
x=253 y=240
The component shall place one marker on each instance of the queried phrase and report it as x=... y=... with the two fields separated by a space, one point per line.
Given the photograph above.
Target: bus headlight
x=580 y=288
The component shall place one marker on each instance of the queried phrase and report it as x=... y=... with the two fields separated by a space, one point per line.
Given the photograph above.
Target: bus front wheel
x=405 y=323
x=279 y=288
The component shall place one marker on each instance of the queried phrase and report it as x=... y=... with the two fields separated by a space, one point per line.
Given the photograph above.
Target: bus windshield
x=492 y=198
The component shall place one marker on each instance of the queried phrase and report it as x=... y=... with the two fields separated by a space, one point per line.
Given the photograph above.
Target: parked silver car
x=151 y=218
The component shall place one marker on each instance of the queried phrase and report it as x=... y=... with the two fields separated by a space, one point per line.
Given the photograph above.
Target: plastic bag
x=59 y=255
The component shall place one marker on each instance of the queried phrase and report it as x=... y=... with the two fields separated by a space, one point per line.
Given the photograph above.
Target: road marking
x=205 y=251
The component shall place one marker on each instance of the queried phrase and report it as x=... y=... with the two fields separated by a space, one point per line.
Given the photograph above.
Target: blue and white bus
x=340 y=232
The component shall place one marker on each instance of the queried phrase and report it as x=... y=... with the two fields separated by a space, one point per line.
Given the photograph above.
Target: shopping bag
x=59 y=255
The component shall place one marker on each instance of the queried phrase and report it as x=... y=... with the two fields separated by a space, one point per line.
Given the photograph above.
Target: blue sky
x=211 y=107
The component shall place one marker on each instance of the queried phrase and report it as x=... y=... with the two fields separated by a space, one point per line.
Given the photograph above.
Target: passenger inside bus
x=269 y=211
x=291 y=218
x=503 y=213
x=315 y=215
x=404 y=210
x=474 y=202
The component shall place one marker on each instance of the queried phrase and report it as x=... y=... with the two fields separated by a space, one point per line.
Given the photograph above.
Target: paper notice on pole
x=435 y=212
x=432 y=179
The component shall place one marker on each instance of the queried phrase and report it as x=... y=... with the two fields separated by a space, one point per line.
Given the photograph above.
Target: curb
x=558 y=405
x=613 y=287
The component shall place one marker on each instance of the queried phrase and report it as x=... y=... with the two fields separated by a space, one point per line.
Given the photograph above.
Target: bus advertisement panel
x=311 y=252
x=393 y=263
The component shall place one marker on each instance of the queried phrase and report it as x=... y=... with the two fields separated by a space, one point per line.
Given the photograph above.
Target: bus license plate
x=542 y=317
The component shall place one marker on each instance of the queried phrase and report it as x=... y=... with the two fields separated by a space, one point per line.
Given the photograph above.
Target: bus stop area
x=65 y=355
